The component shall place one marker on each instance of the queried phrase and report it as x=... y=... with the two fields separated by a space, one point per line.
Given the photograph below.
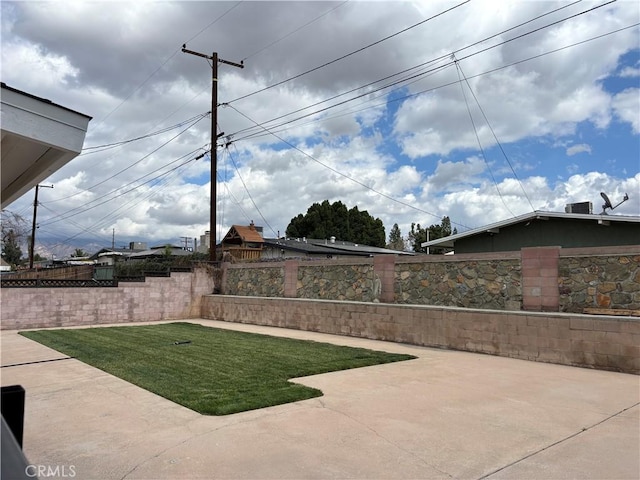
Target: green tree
x=419 y=235
x=396 y=242
x=416 y=236
x=325 y=220
x=79 y=253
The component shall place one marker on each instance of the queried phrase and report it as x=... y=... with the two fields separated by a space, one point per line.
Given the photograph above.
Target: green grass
x=219 y=372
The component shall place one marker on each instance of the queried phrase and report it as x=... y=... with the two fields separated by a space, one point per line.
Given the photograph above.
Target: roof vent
x=581 y=207
x=333 y=239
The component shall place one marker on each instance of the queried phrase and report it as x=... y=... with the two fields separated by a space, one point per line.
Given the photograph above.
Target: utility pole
x=214 y=138
x=33 y=226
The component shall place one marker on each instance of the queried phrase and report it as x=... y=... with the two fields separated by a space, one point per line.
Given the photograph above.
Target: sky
x=476 y=110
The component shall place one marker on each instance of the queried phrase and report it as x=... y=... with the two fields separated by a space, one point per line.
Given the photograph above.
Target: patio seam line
x=562 y=440
x=36 y=362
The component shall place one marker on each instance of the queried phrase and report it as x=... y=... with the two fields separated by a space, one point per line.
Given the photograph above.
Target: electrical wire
x=494 y=136
x=148 y=195
x=108 y=146
x=84 y=208
x=133 y=164
x=421 y=92
x=351 y=53
x=413 y=207
x=451 y=63
x=247 y=190
x=294 y=31
x=484 y=157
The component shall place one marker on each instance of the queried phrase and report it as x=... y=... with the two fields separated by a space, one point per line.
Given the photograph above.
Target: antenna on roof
x=607 y=202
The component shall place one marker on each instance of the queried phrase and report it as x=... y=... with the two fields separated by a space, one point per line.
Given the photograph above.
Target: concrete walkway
x=445 y=415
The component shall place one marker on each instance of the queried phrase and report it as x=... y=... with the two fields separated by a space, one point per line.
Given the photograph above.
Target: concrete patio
x=447 y=414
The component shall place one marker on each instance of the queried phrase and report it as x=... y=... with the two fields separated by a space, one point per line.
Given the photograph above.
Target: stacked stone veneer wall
x=600 y=281
x=487 y=283
x=609 y=343
x=262 y=280
x=535 y=279
x=158 y=298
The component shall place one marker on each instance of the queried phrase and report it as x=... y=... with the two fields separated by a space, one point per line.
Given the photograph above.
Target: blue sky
x=562 y=107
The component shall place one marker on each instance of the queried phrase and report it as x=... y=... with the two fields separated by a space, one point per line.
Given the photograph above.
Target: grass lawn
x=219 y=372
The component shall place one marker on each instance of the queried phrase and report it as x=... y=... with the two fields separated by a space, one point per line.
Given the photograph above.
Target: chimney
x=252 y=226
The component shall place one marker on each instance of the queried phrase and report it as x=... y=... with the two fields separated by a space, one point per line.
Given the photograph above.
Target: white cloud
x=580 y=148
x=626 y=106
x=629 y=72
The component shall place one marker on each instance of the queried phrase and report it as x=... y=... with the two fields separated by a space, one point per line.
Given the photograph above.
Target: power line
x=249 y=193
x=422 y=74
x=108 y=146
x=484 y=157
x=343 y=174
x=84 y=208
x=294 y=31
x=349 y=54
x=405 y=97
x=494 y=136
x=133 y=164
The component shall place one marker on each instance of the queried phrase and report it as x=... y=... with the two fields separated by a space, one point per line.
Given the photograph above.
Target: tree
x=419 y=235
x=14 y=229
x=325 y=220
x=396 y=242
x=79 y=253
x=416 y=236
x=11 y=252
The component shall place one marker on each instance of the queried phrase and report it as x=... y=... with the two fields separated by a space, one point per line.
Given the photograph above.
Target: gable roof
x=494 y=228
x=244 y=234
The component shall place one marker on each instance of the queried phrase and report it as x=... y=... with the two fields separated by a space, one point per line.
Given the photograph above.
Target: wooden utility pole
x=33 y=226
x=214 y=138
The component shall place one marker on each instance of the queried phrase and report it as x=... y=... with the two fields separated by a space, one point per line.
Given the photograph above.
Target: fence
x=548 y=279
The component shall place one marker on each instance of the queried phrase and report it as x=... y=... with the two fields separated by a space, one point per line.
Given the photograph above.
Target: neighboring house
x=109 y=256
x=243 y=243
x=38 y=138
x=283 y=248
x=541 y=229
x=159 y=252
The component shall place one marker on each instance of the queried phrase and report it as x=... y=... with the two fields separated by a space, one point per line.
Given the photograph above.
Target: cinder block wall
x=158 y=298
x=608 y=343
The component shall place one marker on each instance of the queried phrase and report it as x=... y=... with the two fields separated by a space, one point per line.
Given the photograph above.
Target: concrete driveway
x=444 y=415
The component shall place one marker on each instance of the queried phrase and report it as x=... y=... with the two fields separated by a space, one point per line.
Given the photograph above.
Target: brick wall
x=161 y=298
x=608 y=343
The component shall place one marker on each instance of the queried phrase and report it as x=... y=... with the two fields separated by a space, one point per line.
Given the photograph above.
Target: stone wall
x=262 y=280
x=608 y=343
x=599 y=281
x=158 y=298
x=336 y=282
x=494 y=284
x=535 y=279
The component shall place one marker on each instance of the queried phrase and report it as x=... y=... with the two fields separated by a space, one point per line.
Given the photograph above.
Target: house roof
x=324 y=246
x=160 y=252
x=114 y=251
x=449 y=242
x=38 y=138
x=247 y=234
